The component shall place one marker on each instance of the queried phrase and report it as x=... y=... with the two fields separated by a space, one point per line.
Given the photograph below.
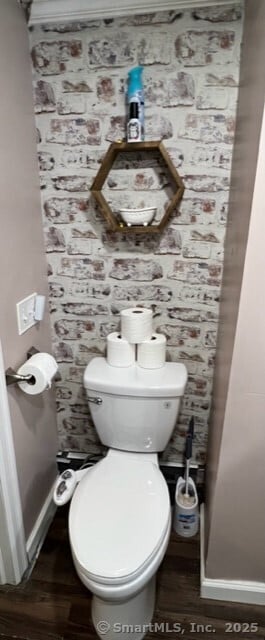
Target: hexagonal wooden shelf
x=114 y=150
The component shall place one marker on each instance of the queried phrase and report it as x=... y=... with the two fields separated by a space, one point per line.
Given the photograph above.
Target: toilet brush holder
x=186 y=510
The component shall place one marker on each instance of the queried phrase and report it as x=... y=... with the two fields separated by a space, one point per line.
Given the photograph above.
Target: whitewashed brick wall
x=191 y=69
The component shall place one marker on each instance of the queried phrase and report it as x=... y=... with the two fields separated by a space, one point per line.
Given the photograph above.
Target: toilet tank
x=134 y=409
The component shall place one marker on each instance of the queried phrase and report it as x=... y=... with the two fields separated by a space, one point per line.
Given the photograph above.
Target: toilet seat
x=118 y=592
x=119 y=516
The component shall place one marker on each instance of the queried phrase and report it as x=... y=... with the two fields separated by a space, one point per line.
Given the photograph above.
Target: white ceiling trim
x=52 y=11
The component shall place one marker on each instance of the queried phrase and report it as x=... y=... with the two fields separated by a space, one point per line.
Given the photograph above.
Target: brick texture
x=191 y=68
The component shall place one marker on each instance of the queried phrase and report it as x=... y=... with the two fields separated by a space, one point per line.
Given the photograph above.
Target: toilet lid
x=118 y=516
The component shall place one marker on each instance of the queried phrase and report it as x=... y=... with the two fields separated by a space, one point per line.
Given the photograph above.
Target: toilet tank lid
x=169 y=380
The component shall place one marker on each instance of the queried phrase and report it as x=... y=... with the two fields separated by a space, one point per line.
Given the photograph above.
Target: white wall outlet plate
x=26 y=313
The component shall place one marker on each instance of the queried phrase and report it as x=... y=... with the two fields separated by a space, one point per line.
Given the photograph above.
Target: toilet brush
x=191 y=427
x=186 y=514
x=188 y=454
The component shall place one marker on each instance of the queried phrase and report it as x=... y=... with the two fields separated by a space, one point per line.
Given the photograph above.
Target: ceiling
x=52 y=11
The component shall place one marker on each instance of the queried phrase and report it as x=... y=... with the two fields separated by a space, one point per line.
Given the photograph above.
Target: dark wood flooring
x=53 y=604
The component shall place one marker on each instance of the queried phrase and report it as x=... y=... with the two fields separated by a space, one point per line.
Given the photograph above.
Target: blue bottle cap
x=135 y=82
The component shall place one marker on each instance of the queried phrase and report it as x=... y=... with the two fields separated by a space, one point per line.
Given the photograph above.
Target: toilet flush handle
x=94 y=400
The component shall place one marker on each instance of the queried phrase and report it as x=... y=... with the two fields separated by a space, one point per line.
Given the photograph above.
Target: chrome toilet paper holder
x=12 y=377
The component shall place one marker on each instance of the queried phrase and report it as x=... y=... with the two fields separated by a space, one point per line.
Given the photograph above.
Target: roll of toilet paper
x=136 y=324
x=42 y=367
x=151 y=354
x=120 y=353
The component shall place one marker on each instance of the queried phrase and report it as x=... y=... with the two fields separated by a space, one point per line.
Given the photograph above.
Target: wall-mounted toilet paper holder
x=12 y=377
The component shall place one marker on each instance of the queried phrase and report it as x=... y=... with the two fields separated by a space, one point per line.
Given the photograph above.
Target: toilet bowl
x=119 y=542
x=120 y=515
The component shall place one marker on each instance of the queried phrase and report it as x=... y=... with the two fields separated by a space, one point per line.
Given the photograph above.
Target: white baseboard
x=39 y=531
x=243 y=591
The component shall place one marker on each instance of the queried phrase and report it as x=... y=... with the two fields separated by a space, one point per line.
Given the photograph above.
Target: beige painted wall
x=22 y=261
x=235 y=530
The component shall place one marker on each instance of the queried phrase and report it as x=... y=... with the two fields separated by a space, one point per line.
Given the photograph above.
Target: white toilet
x=120 y=516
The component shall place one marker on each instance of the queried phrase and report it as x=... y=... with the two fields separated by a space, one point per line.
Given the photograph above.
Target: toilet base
x=127 y=619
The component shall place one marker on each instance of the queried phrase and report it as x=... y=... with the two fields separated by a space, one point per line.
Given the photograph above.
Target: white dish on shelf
x=138 y=216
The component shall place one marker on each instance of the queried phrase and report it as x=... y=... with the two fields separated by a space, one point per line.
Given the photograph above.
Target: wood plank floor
x=53 y=604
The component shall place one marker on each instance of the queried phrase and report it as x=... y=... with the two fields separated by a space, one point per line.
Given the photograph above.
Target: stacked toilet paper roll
x=120 y=352
x=42 y=368
x=151 y=354
x=136 y=341
x=136 y=324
